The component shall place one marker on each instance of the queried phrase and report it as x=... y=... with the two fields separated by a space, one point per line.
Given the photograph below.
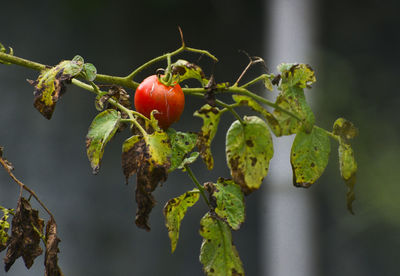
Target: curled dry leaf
x=25 y=238
x=51 y=258
x=148 y=157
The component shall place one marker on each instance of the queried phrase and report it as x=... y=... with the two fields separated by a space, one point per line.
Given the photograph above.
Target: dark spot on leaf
x=249 y=143
x=253 y=161
x=312 y=165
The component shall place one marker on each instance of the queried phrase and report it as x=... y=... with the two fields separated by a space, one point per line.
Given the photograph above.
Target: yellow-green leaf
x=248 y=152
x=348 y=170
x=50 y=84
x=309 y=156
x=4 y=226
x=345 y=129
x=102 y=129
x=211 y=116
x=175 y=210
x=217 y=254
x=294 y=78
x=227 y=201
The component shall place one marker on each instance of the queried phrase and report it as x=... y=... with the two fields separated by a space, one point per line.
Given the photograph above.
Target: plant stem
x=330 y=134
x=22 y=62
x=23 y=186
x=151 y=62
x=263 y=76
x=230 y=108
x=112 y=102
x=196 y=182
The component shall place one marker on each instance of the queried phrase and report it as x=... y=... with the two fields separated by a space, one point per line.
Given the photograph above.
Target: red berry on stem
x=169 y=101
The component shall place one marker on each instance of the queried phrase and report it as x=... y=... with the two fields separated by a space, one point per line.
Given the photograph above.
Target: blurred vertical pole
x=288 y=231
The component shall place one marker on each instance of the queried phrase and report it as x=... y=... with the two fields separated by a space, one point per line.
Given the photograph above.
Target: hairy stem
x=196 y=182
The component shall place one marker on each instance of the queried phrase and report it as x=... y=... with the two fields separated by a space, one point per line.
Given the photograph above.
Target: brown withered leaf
x=149 y=158
x=51 y=258
x=25 y=239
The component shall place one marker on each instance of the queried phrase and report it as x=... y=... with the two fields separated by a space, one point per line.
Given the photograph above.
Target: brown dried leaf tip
x=136 y=158
x=25 y=239
x=51 y=258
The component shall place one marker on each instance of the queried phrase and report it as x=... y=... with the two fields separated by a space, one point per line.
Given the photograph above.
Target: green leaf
x=294 y=78
x=250 y=102
x=217 y=254
x=211 y=116
x=345 y=129
x=309 y=156
x=186 y=70
x=148 y=157
x=89 y=71
x=50 y=85
x=348 y=170
x=227 y=200
x=267 y=79
x=175 y=210
x=102 y=129
x=248 y=152
x=181 y=144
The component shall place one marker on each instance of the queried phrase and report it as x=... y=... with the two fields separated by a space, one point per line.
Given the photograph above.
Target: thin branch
x=23 y=186
x=253 y=60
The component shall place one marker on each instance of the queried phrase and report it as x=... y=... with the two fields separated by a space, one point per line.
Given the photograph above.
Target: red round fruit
x=169 y=101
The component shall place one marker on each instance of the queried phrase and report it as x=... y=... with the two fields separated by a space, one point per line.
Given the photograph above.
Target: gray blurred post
x=288 y=231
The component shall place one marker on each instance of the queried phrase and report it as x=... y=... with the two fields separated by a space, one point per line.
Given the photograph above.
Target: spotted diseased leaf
x=174 y=212
x=348 y=170
x=181 y=144
x=345 y=129
x=189 y=160
x=50 y=85
x=102 y=129
x=4 y=226
x=309 y=156
x=51 y=258
x=294 y=78
x=272 y=121
x=227 y=201
x=186 y=70
x=25 y=238
x=149 y=158
x=294 y=74
x=218 y=254
x=211 y=116
x=248 y=152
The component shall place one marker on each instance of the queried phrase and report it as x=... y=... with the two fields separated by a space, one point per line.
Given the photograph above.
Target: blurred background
x=354 y=49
